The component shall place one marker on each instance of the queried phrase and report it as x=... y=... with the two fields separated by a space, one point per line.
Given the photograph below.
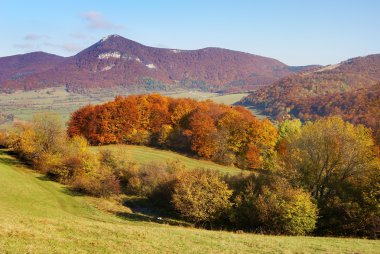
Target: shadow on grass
x=138 y=217
x=69 y=191
x=12 y=160
x=44 y=178
x=144 y=210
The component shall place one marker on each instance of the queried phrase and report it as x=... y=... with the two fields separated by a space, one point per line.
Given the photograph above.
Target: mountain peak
x=116 y=42
x=108 y=37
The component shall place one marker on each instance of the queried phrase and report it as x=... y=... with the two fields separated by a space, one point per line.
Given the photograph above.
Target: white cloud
x=69 y=47
x=96 y=20
x=34 y=37
x=78 y=35
x=25 y=46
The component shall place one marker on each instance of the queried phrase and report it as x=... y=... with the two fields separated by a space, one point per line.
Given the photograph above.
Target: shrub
x=274 y=208
x=289 y=211
x=48 y=162
x=201 y=196
x=22 y=140
x=101 y=183
x=4 y=139
x=155 y=181
x=74 y=159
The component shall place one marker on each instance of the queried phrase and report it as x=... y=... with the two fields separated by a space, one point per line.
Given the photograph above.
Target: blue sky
x=294 y=32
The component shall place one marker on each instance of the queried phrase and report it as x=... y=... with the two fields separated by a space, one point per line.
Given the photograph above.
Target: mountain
x=18 y=66
x=115 y=61
x=350 y=89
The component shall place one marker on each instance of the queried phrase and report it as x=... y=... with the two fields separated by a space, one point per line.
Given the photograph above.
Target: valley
x=23 y=104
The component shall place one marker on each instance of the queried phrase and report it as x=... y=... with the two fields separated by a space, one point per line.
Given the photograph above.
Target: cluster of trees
x=323 y=179
x=43 y=144
x=225 y=134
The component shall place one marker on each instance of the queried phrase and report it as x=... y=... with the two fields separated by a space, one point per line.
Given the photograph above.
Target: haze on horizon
x=294 y=32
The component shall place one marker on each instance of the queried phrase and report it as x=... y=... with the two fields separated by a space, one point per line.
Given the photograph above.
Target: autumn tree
x=201 y=196
x=49 y=132
x=201 y=131
x=336 y=162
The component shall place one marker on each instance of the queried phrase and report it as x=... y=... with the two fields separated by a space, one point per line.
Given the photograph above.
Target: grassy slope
x=39 y=216
x=143 y=155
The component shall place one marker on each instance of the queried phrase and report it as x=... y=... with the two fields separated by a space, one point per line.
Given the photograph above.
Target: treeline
x=224 y=134
x=323 y=179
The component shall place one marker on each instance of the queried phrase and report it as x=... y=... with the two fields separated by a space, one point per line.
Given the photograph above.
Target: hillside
x=117 y=61
x=40 y=216
x=350 y=89
x=14 y=68
x=144 y=154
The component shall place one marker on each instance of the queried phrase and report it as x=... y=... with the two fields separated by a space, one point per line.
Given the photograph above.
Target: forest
x=350 y=89
x=359 y=106
x=316 y=178
x=224 y=134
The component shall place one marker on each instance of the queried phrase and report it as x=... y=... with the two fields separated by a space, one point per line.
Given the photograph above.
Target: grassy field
x=143 y=155
x=40 y=216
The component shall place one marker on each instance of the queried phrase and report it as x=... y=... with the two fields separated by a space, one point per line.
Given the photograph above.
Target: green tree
x=273 y=206
x=337 y=163
x=329 y=153
x=201 y=196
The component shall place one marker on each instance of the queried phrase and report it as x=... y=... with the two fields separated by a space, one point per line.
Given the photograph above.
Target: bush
x=288 y=211
x=155 y=181
x=274 y=208
x=74 y=159
x=4 y=139
x=201 y=196
x=100 y=183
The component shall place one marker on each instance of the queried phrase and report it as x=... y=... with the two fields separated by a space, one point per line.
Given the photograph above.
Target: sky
x=296 y=32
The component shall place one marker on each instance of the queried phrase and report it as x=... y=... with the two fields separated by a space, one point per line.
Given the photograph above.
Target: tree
x=337 y=163
x=201 y=196
x=260 y=151
x=164 y=134
x=285 y=129
x=329 y=153
x=273 y=206
x=49 y=133
x=201 y=130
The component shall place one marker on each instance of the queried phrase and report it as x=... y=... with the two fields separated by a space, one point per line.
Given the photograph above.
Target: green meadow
x=41 y=216
x=144 y=155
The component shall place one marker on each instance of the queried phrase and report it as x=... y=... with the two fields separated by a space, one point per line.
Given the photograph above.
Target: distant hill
x=350 y=89
x=117 y=61
x=15 y=68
